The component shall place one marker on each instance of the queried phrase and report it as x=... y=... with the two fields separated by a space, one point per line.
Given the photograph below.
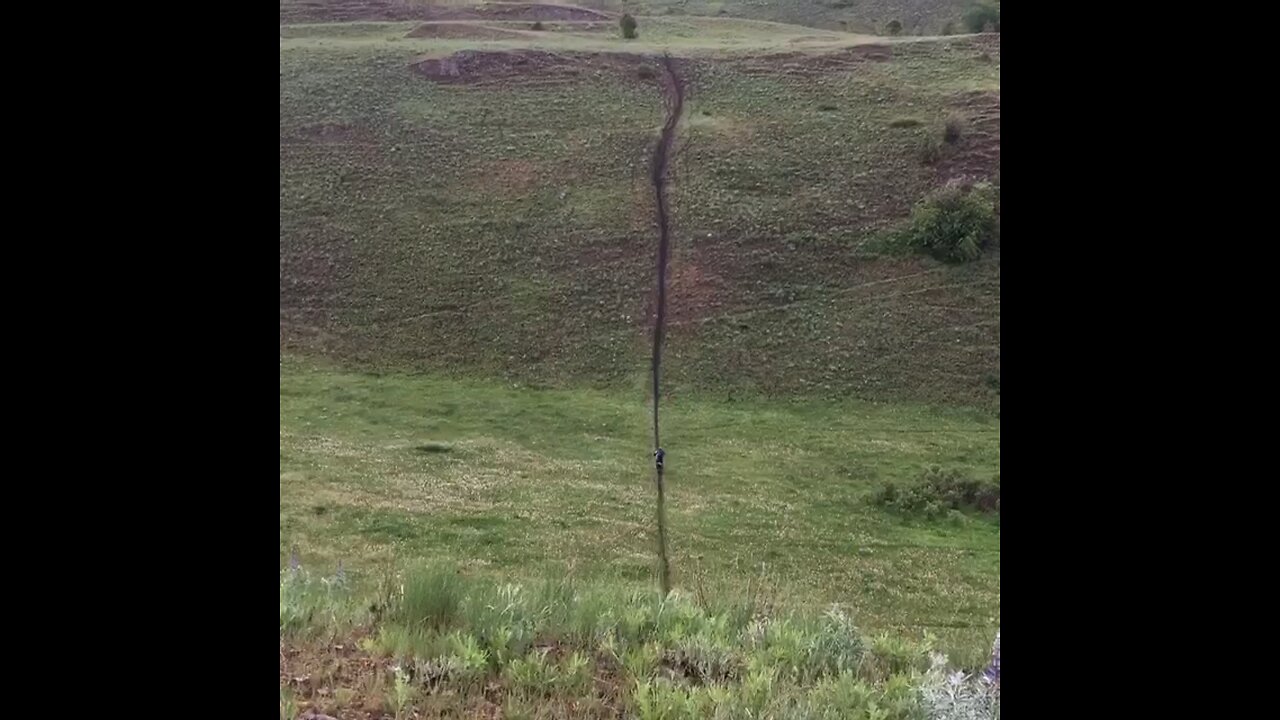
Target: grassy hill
x=918 y=17
x=499 y=223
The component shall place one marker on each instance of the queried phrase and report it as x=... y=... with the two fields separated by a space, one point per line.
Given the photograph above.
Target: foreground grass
x=435 y=643
x=520 y=483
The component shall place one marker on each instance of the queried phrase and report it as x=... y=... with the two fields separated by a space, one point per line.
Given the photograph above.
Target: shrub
x=628 y=25
x=891 y=655
x=949 y=28
x=983 y=17
x=537 y=25
x=954 y=224
x=905 y=122
x=953 y=129
x=957 y=695
x=894 y=27
x=940 y=491
x=646 y=72
x=930 y=150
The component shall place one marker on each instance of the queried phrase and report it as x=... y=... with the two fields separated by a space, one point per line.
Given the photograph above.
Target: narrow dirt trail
x=673 y=95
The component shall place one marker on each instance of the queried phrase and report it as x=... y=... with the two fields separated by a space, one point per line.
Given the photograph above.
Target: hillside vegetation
x=918 y=17
x=498 y=222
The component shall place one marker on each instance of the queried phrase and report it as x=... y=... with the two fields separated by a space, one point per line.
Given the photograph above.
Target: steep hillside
x=470 y=196
x=918 y=17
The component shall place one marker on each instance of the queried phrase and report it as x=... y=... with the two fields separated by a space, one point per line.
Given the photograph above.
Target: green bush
x=940 y=491
x=953 y=129
x=954 y=224
x=894 y=27
x=983 y=17
x=628 y=25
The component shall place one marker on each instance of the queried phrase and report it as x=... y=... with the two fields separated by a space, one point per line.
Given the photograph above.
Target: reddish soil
x=977 y=154
x=815 y=64
x=339 y=679
x=342 y=681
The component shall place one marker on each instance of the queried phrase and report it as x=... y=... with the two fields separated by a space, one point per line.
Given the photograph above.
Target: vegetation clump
x=983 y=17
x=940 y=491
x=451 y=643
x=954 y=224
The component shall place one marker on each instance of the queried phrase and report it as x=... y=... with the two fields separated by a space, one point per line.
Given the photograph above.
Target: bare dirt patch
x=338 y=679
x=696 y=292
x=977 y=153
x=519 y=11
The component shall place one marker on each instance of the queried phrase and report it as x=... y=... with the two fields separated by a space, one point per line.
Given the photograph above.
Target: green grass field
x=538 y=482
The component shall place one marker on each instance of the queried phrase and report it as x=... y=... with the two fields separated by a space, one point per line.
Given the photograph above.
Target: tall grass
x=558 y=644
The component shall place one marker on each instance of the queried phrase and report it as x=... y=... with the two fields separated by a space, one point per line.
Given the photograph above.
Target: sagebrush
x=559 y=650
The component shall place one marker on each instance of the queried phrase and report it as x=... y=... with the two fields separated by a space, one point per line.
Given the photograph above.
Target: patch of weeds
x=940 y=491
x=434 y=447
x=311 y=605
x=431 y=598
x=947 y=694
x=662 y=699
x=401 y=694
x=288 y=704
x=929 y=150
x=837 y=645
x=905 y=122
